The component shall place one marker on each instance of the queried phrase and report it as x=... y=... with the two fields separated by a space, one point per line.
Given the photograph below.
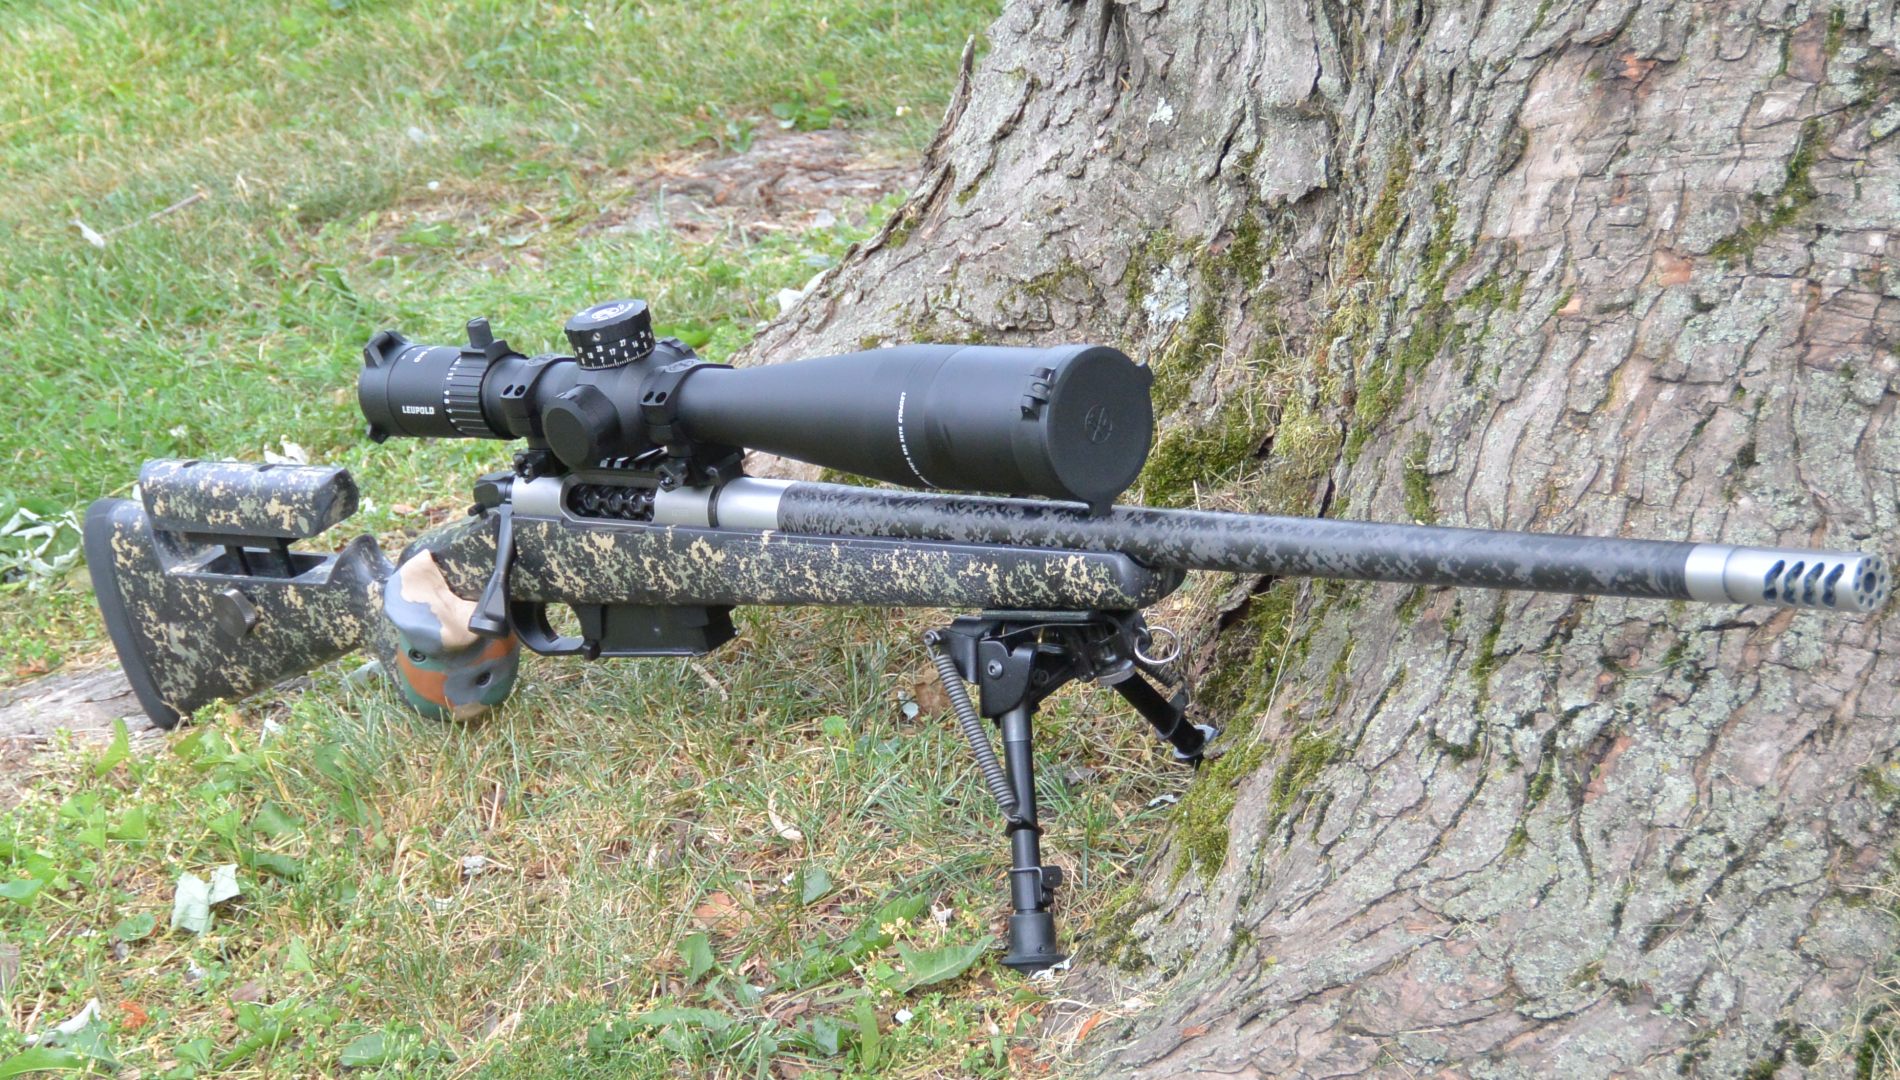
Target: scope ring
x=1174 y=641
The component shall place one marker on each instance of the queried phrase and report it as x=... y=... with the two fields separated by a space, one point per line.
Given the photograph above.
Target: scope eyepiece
x=1070 y=422
x=426 y=391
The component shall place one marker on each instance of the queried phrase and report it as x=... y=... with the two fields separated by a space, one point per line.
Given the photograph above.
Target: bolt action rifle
x=629 y=506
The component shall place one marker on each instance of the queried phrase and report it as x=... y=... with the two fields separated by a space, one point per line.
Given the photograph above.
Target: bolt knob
x=611 y=334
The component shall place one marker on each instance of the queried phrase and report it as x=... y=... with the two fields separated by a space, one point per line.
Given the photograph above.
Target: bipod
x=1016 y=659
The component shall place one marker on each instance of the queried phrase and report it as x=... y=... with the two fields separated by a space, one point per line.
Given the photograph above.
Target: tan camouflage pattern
x=237 y=498
x=625 y=563
x=172 y=583
x=171 y=589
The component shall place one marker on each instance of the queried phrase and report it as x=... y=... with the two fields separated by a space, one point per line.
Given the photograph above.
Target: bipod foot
x=1032 y=933
x=1032 y=943
x=1168 y=717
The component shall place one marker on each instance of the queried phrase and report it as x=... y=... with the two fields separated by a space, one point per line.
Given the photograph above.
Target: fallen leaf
x=77 y=1023
x=717 y=910
x=926 y=689
x=1094 y=1021
x=292 y=455
x=194 y=898
x=224 y=883
x=90 y=234
x=791 y=1011
x=191 y=904
x=135 y=1016
x=1194 y=1032
x=784 y=828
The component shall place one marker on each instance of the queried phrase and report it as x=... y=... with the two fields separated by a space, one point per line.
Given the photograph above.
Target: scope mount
x=612 y=335
x=580 y=428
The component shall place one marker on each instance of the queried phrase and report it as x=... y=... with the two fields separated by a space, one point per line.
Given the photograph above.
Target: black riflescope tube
x=1355 y=550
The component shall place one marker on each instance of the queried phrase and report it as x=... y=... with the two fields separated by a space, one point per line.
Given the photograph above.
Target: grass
x=369 y=165
x=628 y=820
x=725 y=867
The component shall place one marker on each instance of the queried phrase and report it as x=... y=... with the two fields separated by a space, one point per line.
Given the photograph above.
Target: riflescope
x=1069 y=422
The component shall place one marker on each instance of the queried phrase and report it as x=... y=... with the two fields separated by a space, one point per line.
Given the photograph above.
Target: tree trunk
x=1614 y=268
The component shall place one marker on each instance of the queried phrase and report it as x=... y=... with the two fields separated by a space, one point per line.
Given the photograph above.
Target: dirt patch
x=784 y=181
x=83 y=702
x=787 y=180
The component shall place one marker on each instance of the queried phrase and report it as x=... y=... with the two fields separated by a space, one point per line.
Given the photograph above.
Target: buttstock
x=204 y=597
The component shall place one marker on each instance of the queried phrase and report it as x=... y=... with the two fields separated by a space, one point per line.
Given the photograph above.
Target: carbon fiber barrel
x=1327 y=548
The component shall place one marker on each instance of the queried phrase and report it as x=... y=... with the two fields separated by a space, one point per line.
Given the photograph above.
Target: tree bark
x=1614 y=268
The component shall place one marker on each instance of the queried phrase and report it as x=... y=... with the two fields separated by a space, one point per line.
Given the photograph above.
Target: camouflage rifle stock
x=205 y=599
x=629 y=506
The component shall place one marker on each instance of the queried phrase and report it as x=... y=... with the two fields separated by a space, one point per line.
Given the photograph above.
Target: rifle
x=629 y=506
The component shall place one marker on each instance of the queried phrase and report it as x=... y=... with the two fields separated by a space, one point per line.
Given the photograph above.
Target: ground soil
x=84 y=702
x=784 y=181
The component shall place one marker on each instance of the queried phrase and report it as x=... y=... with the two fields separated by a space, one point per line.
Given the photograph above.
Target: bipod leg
x=1032 y=886
x=1168 y=716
